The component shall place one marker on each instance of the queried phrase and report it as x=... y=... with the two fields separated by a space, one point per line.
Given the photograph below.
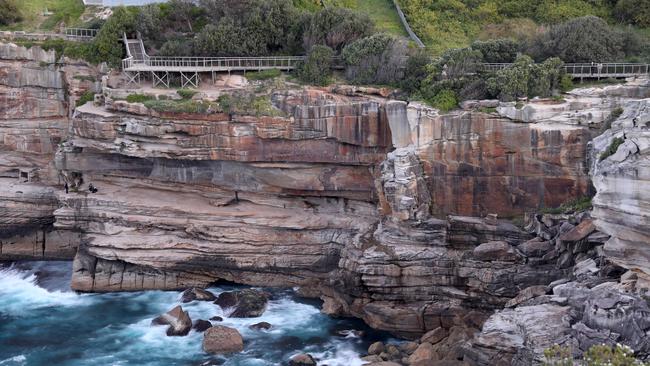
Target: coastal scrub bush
x=181 y=106
x=612 y=148
x=86 y=97
x=584 y=39
x=415 y=72
x=9 y=12
x=445 y=100
x=525 y=78
x=377 y=59
x=186 y=93
x=107 y=46
x=317 y=68
x=497 y=50
x=336 y=27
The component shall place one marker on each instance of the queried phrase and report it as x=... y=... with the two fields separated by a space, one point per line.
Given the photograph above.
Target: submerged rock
x=178 y=320
x=260 y=326
x=247 y=303
x=201 y=325
x=303 y=359
x=196 y=293
x=222 y=340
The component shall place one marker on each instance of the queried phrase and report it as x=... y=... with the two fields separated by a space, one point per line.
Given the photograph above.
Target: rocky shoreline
x=425 y=225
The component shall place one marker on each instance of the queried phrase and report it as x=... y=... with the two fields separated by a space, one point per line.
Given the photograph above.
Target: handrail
x=214 y=62
x=80 y=32
x=596 y=69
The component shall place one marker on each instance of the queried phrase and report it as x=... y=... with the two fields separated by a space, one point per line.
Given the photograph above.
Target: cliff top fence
x=406 y=25
x=591 y=70
x=70 y=34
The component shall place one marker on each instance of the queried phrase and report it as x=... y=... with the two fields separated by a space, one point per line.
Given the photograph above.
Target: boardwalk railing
x=191 y=64
x=590 y=70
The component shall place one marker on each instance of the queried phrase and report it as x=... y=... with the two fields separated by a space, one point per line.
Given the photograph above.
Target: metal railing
x=80 y=32
x=212 y=63
x=589 y=69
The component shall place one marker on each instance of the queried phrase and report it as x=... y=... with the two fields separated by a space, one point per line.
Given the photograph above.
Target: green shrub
x=607 y=124
x=86 y=97
x=612 y=148
x=497 y=50
x=186 y=93
x=335 y=28
x=264 y=74
x=525 y=78
x=181 y=106
x=9 y=12
x=574 y=205
x=247 y=104
x=597 y=355
x=317 y=68
x=585 y=39
x=139 y=98
x=445 y=100
x=566 y=83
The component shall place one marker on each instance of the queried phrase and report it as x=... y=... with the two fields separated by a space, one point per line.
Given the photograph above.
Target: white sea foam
x=16 y=360
x=19 y=294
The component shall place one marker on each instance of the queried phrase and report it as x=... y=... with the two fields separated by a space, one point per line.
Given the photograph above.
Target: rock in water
x=196 y=293
x=178 y=320
x=303 y=359
x=201 y=325
x=222 y=340
x=247 y=303
x=260 y=326
x=216 y=318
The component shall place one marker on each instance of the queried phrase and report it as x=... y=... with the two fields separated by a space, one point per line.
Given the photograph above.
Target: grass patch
x=382 y=12
x=182 y=106
x=612 y=148
x=264 y=74
x=575 y=205
x=85 y=98
x=66 y=11
x=139 y=98
x=248 y=104
x=85 y=78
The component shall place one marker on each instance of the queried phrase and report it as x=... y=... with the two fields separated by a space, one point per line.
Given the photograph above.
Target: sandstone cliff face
x=622 y=181
x=358 y=200
x=35 y=95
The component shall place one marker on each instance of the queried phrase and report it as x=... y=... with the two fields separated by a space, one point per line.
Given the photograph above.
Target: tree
x=9 y=12
x=378 y=59
x=525 y=78
x=459 y=62
x=336 y=27
x=317 y=68
x=107 y=46
x=497 y=50
x=585 y=39
x=633 y=12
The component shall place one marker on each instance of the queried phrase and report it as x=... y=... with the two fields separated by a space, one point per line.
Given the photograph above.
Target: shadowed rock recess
x=387 y=211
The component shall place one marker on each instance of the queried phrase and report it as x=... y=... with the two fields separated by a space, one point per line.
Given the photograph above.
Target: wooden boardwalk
x=592 y=70
x=160 y=69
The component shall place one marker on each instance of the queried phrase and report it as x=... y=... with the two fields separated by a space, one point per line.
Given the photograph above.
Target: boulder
x=536 y=247
x=178 y=320
x=247 y=303
x=434 y=336
x=260 y=326
x=408 y=347
x=303 y=359
x=222 y=340
x=423 y=355
x=496 y=251
x=376 y=348
x=201 y=325
x=527 y=294
x=196 y=293
x=216 y=318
